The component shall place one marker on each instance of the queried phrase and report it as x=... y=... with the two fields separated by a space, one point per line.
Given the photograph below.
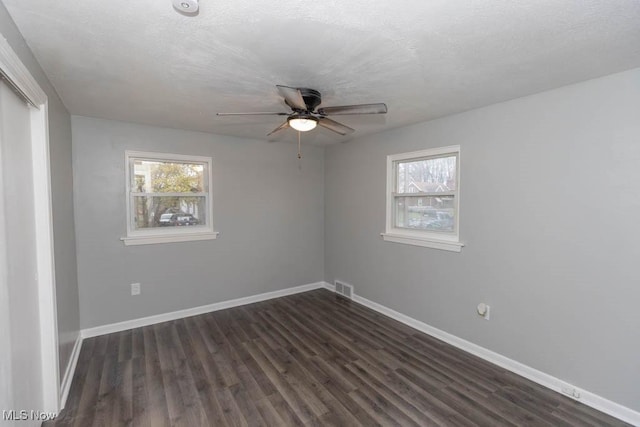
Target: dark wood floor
x=306 y=359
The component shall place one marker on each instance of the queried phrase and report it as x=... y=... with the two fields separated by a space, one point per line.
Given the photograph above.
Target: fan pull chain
x=299 y=153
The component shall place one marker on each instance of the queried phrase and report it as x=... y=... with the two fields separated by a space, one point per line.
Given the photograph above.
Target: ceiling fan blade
x=293 y=97
x=335 y=126
x=354 y=109
x=285 y=125
x=253 y=114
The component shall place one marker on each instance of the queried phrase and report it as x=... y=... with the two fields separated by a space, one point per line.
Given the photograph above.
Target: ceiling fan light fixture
x=303 y=123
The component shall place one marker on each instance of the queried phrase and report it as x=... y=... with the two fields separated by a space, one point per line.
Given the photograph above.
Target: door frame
x=16 y=74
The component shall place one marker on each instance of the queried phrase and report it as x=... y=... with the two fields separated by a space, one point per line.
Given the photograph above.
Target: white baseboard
x=174 y=315
x=65 y=386
x=590 y=399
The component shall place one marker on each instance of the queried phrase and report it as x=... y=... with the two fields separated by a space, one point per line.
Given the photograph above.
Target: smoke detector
x=186 y=6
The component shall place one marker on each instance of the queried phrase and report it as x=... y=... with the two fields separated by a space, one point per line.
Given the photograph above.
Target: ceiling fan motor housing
x=312 y=98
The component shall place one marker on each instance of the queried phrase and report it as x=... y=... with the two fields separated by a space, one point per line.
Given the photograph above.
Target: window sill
x=173 y=238
x=443 y=245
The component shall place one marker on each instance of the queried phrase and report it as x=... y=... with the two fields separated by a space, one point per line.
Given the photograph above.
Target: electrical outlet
x=135 y=289
x=484 y=311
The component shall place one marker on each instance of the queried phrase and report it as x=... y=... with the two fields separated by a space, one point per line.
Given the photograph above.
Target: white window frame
x=167 y=234
x=448 y=241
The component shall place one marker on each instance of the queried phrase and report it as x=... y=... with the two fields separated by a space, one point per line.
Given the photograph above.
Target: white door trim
x=46 y=267
x=14 y=71
x=19 y=77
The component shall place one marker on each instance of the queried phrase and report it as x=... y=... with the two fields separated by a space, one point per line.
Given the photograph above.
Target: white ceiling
x=141 y=61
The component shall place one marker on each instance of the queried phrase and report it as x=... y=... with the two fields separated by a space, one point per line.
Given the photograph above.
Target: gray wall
x=550 y=209
x=61 y=188
x=268 y=207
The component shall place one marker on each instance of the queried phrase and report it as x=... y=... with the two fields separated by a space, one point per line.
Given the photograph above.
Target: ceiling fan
x=304 y=116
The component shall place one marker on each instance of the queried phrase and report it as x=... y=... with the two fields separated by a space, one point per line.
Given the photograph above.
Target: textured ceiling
x=141 y=61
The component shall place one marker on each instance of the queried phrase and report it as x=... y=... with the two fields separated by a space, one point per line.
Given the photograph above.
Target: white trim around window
x=152 y=235
x=440 y=232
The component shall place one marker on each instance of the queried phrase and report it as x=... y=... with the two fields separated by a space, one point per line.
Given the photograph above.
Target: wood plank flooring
x=307 y=359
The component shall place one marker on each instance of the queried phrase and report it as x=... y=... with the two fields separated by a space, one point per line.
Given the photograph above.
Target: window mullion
x=437 y=194
x=142 y=194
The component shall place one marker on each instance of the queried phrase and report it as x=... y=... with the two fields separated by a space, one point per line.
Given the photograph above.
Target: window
x=168 y=198
x=423 y=195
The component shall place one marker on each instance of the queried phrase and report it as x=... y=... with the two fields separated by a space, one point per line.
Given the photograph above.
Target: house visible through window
x=168 y=198
x=423 y=198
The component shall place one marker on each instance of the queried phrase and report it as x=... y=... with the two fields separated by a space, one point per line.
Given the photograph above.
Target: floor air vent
x=344 y=289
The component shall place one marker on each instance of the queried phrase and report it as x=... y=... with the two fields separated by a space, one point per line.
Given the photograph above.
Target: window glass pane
x=427 y=175
x=164 y=211
x=425 y=213
x=155 y=176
